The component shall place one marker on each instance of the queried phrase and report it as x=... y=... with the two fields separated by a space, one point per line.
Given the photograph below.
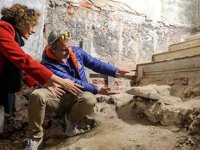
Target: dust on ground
x=119 y=127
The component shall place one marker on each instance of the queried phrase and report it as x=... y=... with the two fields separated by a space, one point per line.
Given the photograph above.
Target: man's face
x=62 y=50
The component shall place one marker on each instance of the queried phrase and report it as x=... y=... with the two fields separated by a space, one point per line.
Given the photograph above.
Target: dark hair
x=22 y=15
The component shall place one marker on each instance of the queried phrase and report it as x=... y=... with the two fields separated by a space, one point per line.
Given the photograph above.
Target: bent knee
x=89 y=98
x=38 y=96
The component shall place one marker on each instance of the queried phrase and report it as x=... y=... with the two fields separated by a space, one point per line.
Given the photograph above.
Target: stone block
x=167 y=110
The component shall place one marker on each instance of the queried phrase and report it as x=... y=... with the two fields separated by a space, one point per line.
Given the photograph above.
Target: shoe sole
x=80 y=132
x=39 y=143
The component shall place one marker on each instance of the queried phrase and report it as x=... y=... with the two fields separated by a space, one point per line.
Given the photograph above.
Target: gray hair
x=53 y=37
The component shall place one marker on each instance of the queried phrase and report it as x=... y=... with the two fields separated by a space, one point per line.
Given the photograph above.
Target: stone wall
x=123 y=31
x=115 y=31
x=198 y=14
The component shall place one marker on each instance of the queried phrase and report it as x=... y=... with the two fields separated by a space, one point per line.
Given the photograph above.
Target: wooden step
x=184 y=45
x=185 y=64
x=194 y=36
x=169 y=55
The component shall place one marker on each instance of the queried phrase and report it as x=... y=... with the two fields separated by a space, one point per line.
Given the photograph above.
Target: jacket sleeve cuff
x=95 y=90
x=31 y=82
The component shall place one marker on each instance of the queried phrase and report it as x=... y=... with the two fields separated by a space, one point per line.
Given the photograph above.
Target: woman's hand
x=64 y=84
x=55 y=89
x=72 y=87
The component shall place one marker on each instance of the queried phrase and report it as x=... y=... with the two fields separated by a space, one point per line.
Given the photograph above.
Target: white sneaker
x=33 y=144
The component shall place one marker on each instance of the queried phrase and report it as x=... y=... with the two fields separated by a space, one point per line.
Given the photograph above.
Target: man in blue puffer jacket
x=67 y=61
x=73 y=68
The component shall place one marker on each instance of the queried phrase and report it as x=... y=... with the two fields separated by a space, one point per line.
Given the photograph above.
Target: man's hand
x=106 y=91
x=121 y=72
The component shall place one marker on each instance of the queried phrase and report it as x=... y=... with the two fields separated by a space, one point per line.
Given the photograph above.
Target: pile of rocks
x=160 y=106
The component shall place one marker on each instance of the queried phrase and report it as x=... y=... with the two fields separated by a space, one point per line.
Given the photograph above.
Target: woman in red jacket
x=19 y=21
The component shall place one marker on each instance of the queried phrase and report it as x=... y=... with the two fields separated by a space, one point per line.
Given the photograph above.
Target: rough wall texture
x=115 y=31
x=198 y=14
x=123 y=31
x=34 y=45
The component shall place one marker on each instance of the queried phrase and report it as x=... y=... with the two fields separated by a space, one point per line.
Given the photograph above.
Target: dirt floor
x=118 y=128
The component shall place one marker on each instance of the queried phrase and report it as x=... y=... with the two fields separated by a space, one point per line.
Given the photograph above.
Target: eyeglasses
x=65 y=36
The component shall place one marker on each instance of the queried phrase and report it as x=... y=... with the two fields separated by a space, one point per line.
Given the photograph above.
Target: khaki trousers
x=41 y=99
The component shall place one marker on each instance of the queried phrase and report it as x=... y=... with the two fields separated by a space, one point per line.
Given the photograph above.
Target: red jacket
x=10 y=49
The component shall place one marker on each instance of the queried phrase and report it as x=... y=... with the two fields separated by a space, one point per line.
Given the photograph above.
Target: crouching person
x=66 y=61
x=76 y=107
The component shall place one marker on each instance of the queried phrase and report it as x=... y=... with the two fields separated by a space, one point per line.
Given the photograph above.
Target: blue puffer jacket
x=67 y=70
